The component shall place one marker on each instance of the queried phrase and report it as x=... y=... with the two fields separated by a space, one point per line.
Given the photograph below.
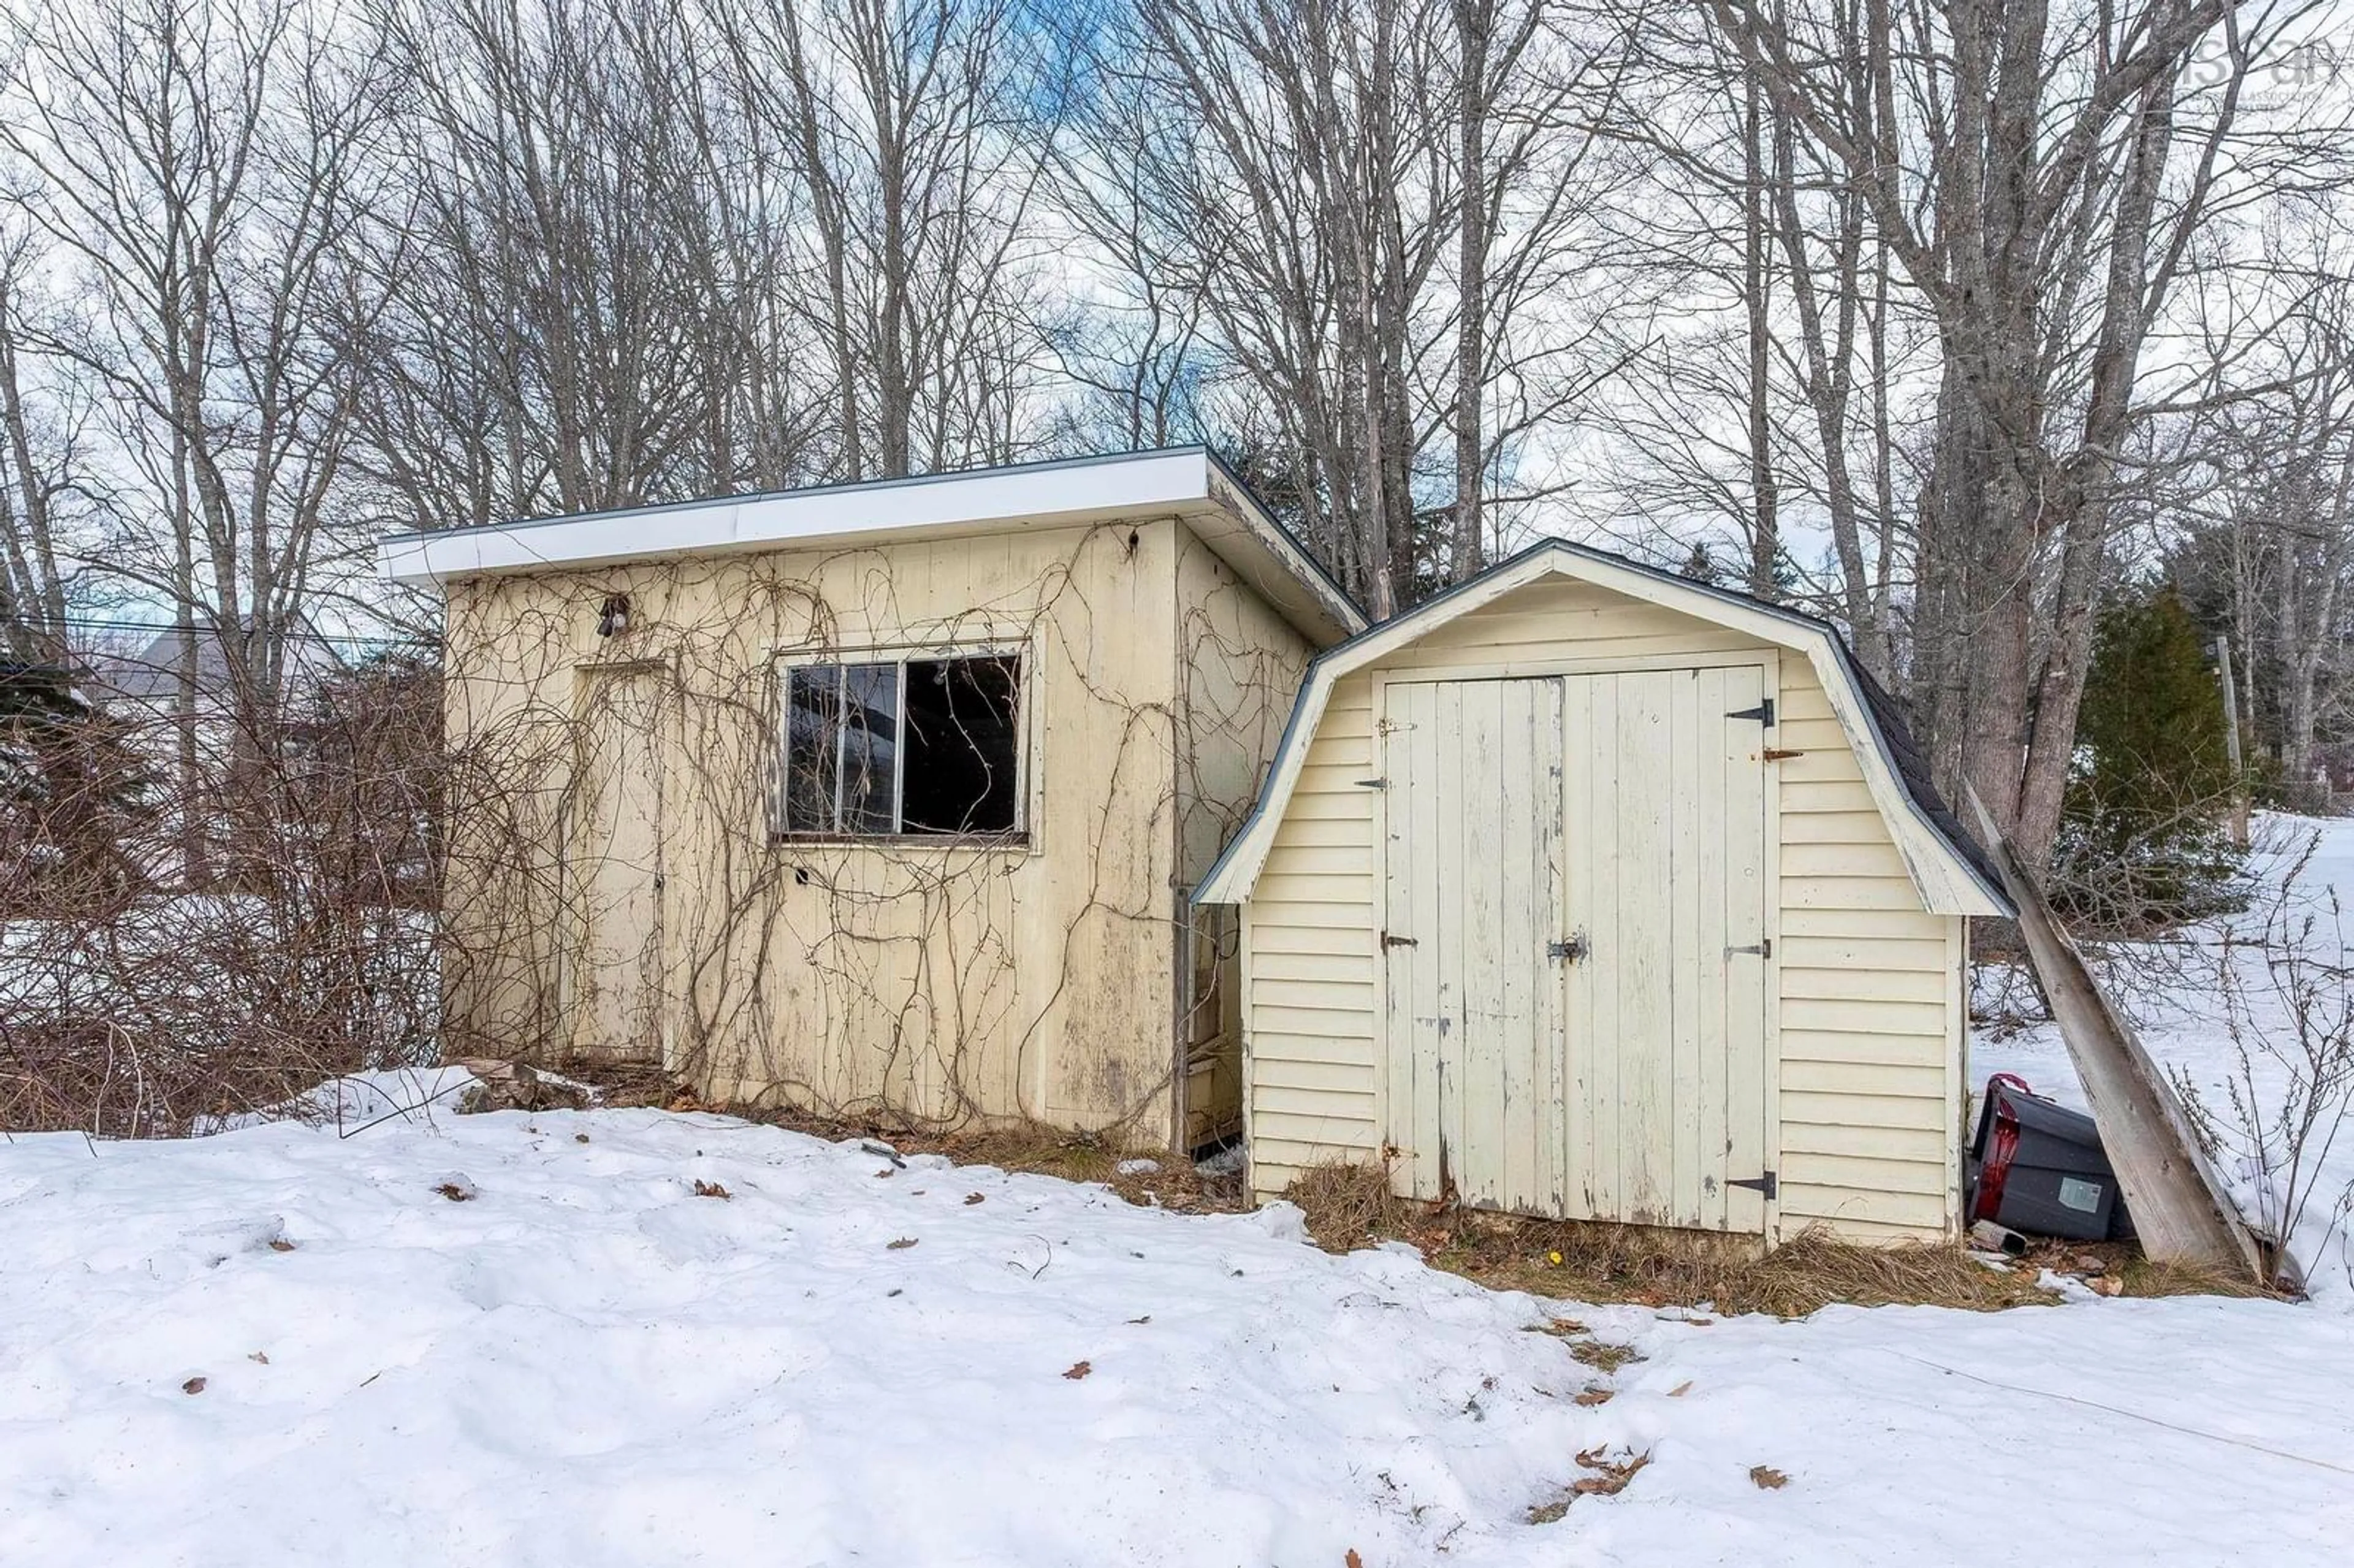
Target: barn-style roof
x=1948 y=868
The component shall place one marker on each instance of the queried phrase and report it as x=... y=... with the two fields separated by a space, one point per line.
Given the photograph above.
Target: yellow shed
x=879 y=799
x=1589 y=891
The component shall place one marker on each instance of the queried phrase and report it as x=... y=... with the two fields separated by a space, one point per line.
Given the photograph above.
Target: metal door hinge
x=1774 y=755
x=1373 y=783
x=1573 y=951
x=1765 y=1184
x=1763 y=949
x=1763 y=713
x=1390 y=941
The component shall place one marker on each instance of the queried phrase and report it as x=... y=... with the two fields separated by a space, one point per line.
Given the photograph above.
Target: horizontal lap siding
x=1869 y=987
x=1869 y=1092
x=1309 y=1032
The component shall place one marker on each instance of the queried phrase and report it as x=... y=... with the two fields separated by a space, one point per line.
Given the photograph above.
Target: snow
x=584 y=1362
x=2171 y=990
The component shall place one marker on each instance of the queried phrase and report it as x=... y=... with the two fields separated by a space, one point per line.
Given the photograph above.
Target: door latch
x=1572 y=952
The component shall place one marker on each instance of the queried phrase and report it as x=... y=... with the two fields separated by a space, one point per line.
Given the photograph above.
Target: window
x=907 y=747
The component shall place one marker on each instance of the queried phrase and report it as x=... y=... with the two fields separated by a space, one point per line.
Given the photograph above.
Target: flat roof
x=1184 y=481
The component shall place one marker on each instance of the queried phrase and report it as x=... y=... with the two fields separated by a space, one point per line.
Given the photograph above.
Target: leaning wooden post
x=2181 y=1210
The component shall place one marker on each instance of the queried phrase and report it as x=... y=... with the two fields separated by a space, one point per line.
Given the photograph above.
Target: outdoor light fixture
x=613 y=619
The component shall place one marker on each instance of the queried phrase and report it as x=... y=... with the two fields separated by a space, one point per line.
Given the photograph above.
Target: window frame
x=784 y=662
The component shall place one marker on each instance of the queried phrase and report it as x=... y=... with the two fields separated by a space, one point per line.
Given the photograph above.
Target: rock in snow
x=584 y=1363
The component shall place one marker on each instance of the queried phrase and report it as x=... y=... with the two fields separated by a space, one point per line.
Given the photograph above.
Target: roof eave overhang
x=1187 y=483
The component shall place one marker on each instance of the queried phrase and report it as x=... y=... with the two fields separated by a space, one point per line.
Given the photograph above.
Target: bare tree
x=39 y=460
x=199 y=166
x=2041 y=176
x=915 y=134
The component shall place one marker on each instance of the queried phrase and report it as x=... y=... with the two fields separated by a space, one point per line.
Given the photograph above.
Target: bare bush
x=135 y=1001
x=2287 y=993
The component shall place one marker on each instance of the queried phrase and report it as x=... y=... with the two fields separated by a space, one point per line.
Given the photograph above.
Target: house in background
x=881 y=798
x=141 y=683
x=1588 y=891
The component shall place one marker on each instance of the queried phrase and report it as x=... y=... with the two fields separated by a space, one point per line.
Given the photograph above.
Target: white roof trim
x=1949 y=884
x=1184 y=481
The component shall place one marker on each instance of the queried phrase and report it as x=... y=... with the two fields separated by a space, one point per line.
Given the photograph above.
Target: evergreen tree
x=70 y=785
x=2143 y=838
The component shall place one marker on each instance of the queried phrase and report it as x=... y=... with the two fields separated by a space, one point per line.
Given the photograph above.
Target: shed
x=1588 y=891
x=879 y=799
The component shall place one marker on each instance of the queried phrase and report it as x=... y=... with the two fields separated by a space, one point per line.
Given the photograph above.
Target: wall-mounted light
x=613 y=617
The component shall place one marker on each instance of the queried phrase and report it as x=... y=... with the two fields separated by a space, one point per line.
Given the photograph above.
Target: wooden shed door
x=1573 y=866
x=1666 y=1008
x=614 y=868
x=1474 y=794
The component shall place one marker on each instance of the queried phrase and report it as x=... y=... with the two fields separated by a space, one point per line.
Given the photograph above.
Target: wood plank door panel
x=1472 y=870
x=614 y=867
x=1665 y=1010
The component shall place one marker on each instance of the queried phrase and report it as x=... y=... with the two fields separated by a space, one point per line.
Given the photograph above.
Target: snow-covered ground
x=2186 y=1015
x=579 y=1361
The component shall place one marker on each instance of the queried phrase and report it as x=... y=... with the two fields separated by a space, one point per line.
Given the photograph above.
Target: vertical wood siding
x=1864 y=1039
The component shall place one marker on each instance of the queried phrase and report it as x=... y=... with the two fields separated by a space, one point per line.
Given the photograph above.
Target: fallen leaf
x=1594 y=1396
x=903 y=1243
x=1080 y=1370
x=711 y=1189
x=262 y=1356
x=1767 y=1478
x=193 y=1385
x=972 y=1198
x=1353 y=1559
x=1680 y=1390
x=1613 y=1478
x=579 y=1138
x=454 y=1193
x=280 y=1244
x=1146 y=1319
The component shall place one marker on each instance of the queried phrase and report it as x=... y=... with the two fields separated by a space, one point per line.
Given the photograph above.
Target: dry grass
x=1347 y=1205
x=1604 y=1358
x=2146 y=1277
x=1173 y=1184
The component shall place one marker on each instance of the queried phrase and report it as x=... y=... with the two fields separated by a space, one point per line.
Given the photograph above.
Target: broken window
x=904 y=746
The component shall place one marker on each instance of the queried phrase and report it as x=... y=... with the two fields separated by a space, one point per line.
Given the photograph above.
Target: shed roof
x=1185 y=482
x=1948 y=867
